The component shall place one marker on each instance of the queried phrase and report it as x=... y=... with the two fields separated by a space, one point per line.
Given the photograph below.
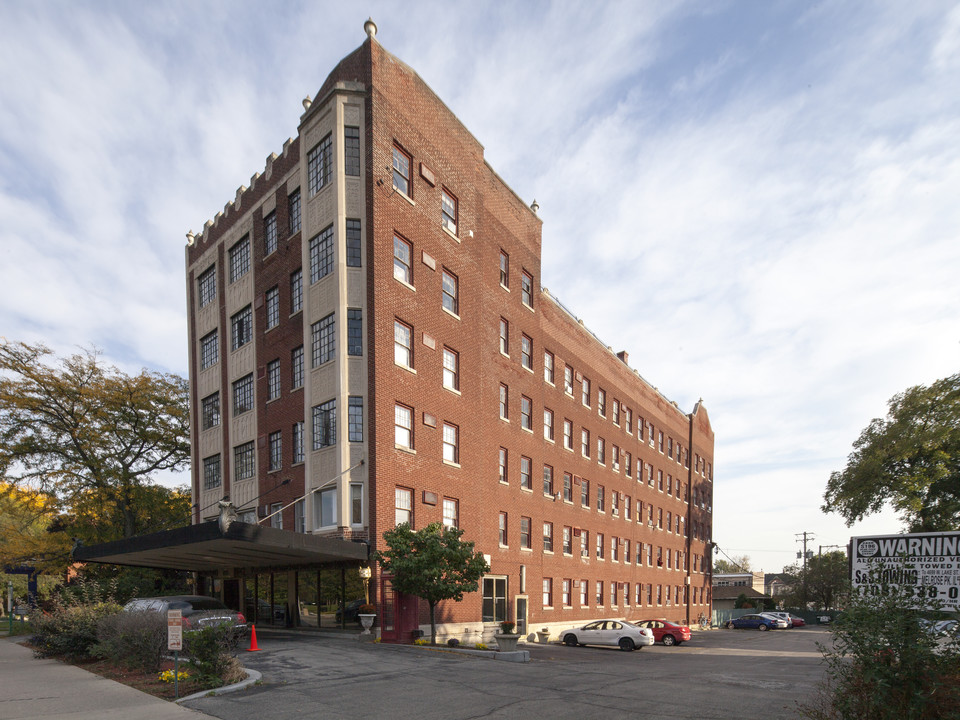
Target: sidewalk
x=31 y=688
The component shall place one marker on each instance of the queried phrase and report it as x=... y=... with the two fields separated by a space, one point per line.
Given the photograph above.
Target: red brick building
x=370 y=343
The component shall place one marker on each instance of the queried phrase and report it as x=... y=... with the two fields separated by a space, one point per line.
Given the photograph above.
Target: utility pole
x=805 y=537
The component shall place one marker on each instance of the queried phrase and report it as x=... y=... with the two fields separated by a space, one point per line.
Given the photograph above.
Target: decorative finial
x=191 y=238
x=534 y=206
x=307 y=102
x=370 y=27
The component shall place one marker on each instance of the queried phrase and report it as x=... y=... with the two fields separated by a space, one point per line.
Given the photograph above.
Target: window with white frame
x=526 y=412
x=403 y=426
x=548 y=366
x=451 y=512
x=503 y=529
x=503 y=464
x=449 y=285
x=526 y=289
x=568 y=434
x=525 y=533
x=327 y=507
x=568 y=487
x=504 y=269
x=601 y=451
x=568 y=380
x=585 y=442
x=584 y=592
x=451 y=369
x=526 y=469
x=402 y=269
x=356 y=504
x=599 y=592
x=548 y=592
x=401 y=171
x=565 y=593
x=504 y=336
x=404 y=506
x=585 y=392
x=567 y=540
x=504 y=402
x=548 y=424
x=451 y=443
x=448 y=210
x=402 y=344
x=602 y=402
x=547 y=480
x=526 y=352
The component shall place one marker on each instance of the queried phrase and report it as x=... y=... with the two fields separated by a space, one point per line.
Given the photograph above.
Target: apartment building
x=371 y=344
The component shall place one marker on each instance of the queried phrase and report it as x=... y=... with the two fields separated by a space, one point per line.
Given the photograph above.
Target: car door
x=614 y=631
x=592 y=633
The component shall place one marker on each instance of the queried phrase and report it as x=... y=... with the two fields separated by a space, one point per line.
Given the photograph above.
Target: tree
x=736 y=564
x=25 y=518
x=90 y=436
x=911 y=460
x=824 y=582
x=432 y=563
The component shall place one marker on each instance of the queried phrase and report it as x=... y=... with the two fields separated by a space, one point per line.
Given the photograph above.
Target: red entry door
x=400 y=614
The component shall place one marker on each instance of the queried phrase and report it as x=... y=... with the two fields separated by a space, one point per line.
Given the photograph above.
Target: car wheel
x=730 y=625
x=570 y=640
x=669 y=640
x=762 y=627
x=626 y=644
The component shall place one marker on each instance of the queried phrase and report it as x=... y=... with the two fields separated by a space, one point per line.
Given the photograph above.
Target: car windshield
x=207 y=604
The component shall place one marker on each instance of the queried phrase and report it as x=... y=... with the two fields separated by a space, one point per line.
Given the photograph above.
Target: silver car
x=619 y=633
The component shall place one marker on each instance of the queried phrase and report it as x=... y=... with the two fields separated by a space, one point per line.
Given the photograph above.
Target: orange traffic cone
x=253 y=639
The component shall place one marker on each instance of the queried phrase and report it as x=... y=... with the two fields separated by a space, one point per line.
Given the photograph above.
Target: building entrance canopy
x=206 y=547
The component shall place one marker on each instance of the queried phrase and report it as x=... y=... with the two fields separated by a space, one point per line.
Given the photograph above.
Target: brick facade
x=393 y=108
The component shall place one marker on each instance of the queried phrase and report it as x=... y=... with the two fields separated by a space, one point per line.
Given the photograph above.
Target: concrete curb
x=253 y=677
x=518 y=656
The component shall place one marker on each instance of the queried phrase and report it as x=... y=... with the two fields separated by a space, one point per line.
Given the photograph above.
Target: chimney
x=624 y=357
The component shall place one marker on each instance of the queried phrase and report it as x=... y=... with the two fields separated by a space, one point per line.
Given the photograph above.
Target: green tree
x=825 y=581
x=433 y=563
x=736 y=564
x=91 y=436
x=911 y=460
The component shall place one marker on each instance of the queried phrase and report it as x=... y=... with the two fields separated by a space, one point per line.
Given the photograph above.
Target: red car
x=666 y=632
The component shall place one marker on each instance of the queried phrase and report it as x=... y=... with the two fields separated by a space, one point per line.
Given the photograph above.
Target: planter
x=367 y=621
x=507 y=642
x=543 y=636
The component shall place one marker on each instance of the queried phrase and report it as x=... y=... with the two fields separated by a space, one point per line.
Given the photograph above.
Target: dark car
x=351 y=612
x=198 y=611
x=758 y=622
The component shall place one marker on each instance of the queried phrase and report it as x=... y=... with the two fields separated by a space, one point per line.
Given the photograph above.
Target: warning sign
x=174 y=630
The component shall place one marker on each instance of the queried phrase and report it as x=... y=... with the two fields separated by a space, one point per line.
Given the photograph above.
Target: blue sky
x=758 y=201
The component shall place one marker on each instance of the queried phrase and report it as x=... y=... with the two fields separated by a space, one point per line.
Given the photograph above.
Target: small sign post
x=175 y=643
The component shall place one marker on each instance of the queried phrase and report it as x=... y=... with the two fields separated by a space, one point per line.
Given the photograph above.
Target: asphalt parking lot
x=718 y=674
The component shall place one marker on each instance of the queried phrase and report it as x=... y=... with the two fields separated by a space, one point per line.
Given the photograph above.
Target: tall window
x=356 y=504
x=504 y=336
x=210 y=411
x=293 y=211
x=211 y=472
x=584 y=493
x=401 y=171
x=296 y=367
x=241 y=326
x=548 y=537
x=273 y=380
x=296 y=291
x=601 y=451
x=525 y=533
x=270 y=233
x=239 y=256
x=567 y=540
x=548 y=366
x=451 y=443
x=526 y=412
x=207 y=285
x=601 y=499
x=273 y=307
x=209 y=350
x=504 y=269
x=585 y=392
x=568 y=379
x=451 y=513
x=243 y=394
x=494 y=599
x=503 y=529
x=503 y=465
x=404 y=506
x=602 y=402
x=600 y=546
x=325 y=424
x=402 y=344
x=450 y=290
x=526 y=289
x=353 y=243
x=403 y=426
x=568 y=487
x=616 y=411
x=276 y=450
x=548 y=424
x=451 y=369
x=504 y=402
x=448 y=210
x=526 y=352
x=351 y=151
x=584 y=592
x=585 y=442
x=321 y=254
x=568 y=434
x=323 y=340
x=354 y=331
x=355 y=419
x=547 y=480
x=401 y=260
x=318 y=165
x=526 y=465
x=297 y=442
x=244 y=461
x=327 y=507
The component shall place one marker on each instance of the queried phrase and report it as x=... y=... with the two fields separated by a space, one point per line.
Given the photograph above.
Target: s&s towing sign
x=928 y=564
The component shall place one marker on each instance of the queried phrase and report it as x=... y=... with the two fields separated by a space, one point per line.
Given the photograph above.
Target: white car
x=624 y=635
x=780 y=623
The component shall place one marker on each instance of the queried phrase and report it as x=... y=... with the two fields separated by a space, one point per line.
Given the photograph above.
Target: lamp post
x=365 y=574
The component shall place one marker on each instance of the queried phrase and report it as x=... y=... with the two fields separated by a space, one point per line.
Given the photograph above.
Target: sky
x=757 y=200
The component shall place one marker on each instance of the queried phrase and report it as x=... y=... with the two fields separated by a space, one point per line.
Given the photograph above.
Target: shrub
x=137 y=640
x=71 y=631
x=210 y=650
x=507 y=626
